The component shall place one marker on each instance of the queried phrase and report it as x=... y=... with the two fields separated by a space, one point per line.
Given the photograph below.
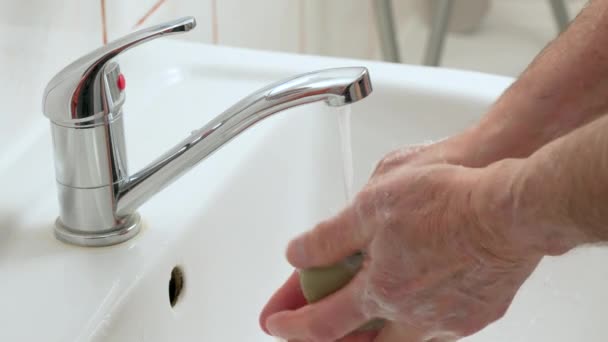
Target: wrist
x=515 y=204
x=519 y=123
x=543 y=206
x=495 y=204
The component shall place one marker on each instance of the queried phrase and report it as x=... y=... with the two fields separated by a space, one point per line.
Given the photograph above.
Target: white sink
x=227 y=222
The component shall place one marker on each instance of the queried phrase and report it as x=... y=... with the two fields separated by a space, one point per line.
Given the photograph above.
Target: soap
x=319 y=282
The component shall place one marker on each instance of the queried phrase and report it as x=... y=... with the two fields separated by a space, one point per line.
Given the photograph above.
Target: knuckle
x=398 y=157
x=376 y=204
x=387 y=161
x=500 y=313
x=365 y=203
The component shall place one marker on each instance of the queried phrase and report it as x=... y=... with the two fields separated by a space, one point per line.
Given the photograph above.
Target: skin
x=450 y=231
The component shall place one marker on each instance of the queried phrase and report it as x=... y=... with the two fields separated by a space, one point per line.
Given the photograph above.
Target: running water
x=347 y=152
x=344 y=114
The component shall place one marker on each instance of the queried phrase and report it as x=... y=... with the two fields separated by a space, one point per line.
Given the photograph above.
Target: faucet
x=98 y=198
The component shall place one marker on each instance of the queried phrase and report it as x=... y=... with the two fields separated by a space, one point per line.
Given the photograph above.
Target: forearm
x=562 y=89
x=554 y=200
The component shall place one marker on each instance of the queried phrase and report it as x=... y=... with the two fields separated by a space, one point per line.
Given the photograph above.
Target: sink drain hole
x=176 y=285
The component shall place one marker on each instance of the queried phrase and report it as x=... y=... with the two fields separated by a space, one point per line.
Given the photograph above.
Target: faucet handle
x=91 y=88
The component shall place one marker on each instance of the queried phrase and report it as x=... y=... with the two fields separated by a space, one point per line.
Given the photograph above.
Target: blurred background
x=494 y=36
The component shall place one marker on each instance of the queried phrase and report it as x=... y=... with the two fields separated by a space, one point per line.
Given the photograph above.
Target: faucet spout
x=98 y=197
x=337 y=87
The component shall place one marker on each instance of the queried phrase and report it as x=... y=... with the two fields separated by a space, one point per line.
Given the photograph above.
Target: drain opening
x=176 y=285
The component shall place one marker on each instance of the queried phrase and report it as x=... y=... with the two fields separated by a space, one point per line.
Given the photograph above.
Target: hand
x=451 y=150
x=434 y=267
x=289 y=296
x=456 y=150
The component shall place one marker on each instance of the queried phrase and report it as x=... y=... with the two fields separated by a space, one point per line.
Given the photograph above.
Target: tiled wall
x=347 y=28
x=46 y=35
x=39 y=37
x=336 y=27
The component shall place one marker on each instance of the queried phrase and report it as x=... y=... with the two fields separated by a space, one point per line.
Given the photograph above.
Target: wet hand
x=435 y=267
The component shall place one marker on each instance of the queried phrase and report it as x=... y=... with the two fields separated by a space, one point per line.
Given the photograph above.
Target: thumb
x=329 y=242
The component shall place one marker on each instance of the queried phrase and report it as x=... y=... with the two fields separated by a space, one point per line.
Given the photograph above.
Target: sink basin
x=226 y=223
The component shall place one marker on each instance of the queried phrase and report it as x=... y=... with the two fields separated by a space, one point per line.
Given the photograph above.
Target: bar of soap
x=319 y=282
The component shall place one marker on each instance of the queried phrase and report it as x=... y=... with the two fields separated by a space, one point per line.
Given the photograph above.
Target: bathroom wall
x=326 y=27
x=336 y=27
x=339 y=27
x=38 y=37
x=44 y=35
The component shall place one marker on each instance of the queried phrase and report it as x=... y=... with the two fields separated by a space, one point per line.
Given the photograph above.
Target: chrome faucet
x=97 y=196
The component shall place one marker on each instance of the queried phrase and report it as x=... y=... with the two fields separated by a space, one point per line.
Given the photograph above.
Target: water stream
x=344 y=125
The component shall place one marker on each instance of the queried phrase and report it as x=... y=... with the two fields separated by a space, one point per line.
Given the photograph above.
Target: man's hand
x=434 y=267
x=452 y=150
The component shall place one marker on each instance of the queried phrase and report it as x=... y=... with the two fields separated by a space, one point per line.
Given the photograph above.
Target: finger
x=288 y=297
x=420 y=154
x=329 y=242
x=326 y=320
x=394 y=158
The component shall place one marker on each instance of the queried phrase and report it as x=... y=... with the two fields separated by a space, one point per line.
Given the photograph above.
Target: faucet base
x=127 y=230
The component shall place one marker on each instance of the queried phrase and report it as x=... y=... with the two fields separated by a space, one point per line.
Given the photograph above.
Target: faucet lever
x=85 y=92
x=84 y=102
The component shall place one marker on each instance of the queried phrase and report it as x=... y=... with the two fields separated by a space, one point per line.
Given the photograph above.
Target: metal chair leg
x=439 y=27
x=386 y=29
x=560 y=12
